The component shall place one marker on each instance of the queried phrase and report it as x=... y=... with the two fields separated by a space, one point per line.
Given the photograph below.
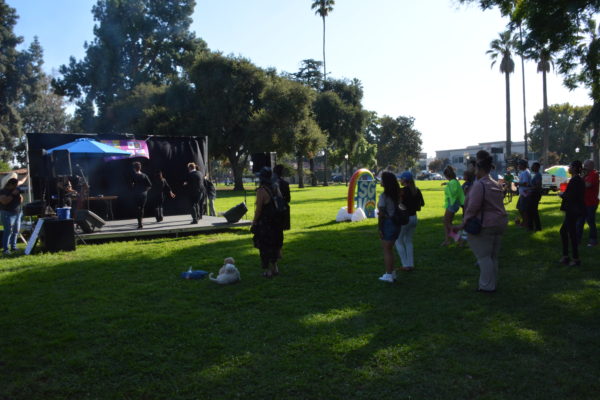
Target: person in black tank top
x=140 y=183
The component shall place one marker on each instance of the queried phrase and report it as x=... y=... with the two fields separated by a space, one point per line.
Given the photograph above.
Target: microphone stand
x=86 y=185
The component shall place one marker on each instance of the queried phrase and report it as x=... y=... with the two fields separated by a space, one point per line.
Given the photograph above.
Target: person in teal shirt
x=454 y=198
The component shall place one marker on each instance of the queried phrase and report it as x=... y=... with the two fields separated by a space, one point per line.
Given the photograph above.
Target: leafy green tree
x=338 y=111
x=323 y=8
x=566 y=132
x=136 y=42
x=309 y=74
x=47 y=113
x=588 y=74
x=436 y=165
x=398 y=142
x=364 y=155
x=502 y=48
x=309 y=140
x=10 y=83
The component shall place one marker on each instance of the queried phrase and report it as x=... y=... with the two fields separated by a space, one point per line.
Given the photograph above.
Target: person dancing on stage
x=195 y=184
x=162 y=190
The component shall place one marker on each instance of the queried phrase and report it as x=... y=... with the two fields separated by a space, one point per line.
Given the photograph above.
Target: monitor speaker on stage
x=236 y=213
x=61 y=163
x=87 y=221
x=58 y=235
x=260 y=160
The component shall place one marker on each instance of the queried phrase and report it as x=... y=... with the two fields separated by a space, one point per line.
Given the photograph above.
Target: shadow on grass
x=123 y=325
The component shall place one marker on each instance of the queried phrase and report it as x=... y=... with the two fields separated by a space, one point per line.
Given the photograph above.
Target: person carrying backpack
x=267 y=224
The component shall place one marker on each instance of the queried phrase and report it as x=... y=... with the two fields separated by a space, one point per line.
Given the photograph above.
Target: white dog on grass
x=227 y=274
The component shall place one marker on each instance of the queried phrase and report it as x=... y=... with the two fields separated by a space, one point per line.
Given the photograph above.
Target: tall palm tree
x=323 y=8
x=502 y=48
x=521 y=50
x=544 y=63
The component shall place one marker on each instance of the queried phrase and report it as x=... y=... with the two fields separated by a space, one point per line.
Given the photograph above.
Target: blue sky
x=424 y=59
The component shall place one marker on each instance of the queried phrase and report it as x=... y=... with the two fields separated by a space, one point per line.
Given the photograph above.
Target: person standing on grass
x=162 y=191
x=388 y=230
x=413 y=201
x=485 y=201
x=211 y=195
x=573 y=204
x=524 y=190
x=535 y=195
x=10 y=213
x=140 y=183
x=195 y=185
x=591 y=203
x=267 y=224
x=284 y=188
x=454 y=197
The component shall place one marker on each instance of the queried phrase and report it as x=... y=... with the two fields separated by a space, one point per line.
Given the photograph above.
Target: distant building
x=422 y=162
x=457 y=157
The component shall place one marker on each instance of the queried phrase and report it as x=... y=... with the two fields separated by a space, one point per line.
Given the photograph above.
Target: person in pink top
x=591 y=203
x=485 y=201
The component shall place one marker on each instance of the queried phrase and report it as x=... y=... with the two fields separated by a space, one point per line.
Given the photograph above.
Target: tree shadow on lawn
x=325 y=328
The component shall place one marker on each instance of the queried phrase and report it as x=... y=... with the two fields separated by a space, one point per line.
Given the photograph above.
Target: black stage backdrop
x=110 y=178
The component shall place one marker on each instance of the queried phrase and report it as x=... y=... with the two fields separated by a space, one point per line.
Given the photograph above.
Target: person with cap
x=10 y=213
x=267 y=224
x=590 y=180
x=573 y=204
x=412 y=198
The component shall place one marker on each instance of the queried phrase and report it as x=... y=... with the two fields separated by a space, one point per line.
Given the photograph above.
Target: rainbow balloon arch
x=365 y=198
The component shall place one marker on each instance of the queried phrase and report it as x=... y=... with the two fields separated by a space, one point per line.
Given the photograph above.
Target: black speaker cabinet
x=58 y=235
x=39 y=164
x=260 y=160
x=61 y=163
x=88 y=221
x=236 y=213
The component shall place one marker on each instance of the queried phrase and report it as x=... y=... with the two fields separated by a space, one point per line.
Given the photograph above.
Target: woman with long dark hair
x=454 y=198
x=10 y=213
x=413 y=201
x=573 y=204
x=267 y=224
x=388 y=230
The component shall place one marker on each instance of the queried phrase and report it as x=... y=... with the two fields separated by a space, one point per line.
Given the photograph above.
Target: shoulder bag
x=473 y=225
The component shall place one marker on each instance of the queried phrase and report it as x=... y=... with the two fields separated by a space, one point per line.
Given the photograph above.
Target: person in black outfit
x=140 y=183
x=266 y=225
x=574 y=207
x=195 y=185
x=534 y=222
x=161 y=191
x=284 y=188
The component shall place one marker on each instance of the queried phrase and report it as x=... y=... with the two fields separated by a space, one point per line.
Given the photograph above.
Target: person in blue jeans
x=413 y=201
x=10 y=213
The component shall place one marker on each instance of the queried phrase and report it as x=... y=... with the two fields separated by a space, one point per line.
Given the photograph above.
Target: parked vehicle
x=552 y=182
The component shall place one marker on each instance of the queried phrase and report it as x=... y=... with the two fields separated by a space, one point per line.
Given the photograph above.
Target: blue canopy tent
x=85 y=147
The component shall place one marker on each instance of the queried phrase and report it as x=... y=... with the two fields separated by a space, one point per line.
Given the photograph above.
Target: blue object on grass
x=198 y=274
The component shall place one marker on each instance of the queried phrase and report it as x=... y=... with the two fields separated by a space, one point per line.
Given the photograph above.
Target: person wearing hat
x=267 y=225
x=573 y=204
x=413 y=201
x=10 y=213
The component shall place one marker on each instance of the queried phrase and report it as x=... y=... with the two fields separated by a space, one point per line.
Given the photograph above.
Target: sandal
x=267 y=274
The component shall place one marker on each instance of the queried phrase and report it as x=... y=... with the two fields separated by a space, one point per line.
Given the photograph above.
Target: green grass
x=114 y=321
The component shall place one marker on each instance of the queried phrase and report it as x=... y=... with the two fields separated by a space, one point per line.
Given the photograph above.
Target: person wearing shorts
x=388 y=230
x=454 y=198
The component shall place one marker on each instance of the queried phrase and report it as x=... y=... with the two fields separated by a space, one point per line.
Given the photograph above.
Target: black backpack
x=278 y=201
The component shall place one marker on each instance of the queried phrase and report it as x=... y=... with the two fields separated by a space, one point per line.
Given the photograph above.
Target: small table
x=108 y=201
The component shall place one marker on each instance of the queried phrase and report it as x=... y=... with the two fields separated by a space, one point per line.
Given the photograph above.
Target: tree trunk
x=508 y=138
x=313 y=176
x=300 y=171
x=526 y=153
x=596 y=156
x=546 y=123
x=325 y=175
x=238 y=172
x=324 y=65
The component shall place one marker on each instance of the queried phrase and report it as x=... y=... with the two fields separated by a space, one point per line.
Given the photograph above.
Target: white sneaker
x=387 y=278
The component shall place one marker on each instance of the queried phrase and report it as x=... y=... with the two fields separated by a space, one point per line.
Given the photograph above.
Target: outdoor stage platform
x=173 y=225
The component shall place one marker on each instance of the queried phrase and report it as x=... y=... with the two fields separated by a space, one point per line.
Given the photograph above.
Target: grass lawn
x=114 y=321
